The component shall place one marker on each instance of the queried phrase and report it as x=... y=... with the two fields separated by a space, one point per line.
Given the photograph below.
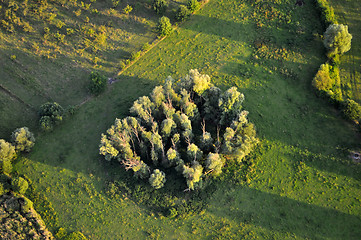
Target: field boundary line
x=16 y=97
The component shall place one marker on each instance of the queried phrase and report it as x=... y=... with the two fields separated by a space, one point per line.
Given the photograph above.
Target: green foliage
x=157 y=179
x=337 y=39
x=127 y=9
x=2 y=189
x=19 y=185
x=164 y=27
x=182 y=13
x=352 y=110
x=322 y=81
x=166 y=131
x=98 y=83
x=327 y=12
x=193 y=5
x=23 y=139
x=214 y=163
x=5 y=166
x=51 y=113
x=75 y=236
x=7 y=150
x=160 y=6
x=193 y=174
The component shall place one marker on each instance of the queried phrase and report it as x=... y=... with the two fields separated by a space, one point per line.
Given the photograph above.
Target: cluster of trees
x=188 y=125
x=164 y=26
x=51 y=114
x=22 y=140
x=337 y=41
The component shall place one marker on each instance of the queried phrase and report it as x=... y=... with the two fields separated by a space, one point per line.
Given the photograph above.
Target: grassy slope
x=303 y=184
x=348 y=12
x=48 y=70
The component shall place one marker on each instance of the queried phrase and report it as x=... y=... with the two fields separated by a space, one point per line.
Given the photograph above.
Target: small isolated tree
x=160 y=6
x=322 y=81
x=7 y=150
x=157 y=179
x=337 y=39
x=182 y=13
x=19 y=185
x=50 y=113
x=193 y=5
x=23 y=139
x=98 y=83
x=164 y=26
x=7 y=153
x=352 y=110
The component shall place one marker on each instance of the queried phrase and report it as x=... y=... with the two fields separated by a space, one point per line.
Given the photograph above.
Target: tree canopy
x=337 y=39
x=188 y=125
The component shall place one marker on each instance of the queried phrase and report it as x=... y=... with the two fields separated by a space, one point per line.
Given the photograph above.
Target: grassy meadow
x=301 y=183
x=347 y=13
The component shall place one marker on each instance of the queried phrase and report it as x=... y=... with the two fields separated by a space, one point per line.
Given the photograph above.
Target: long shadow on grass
x=74 y=144
x=279 y=213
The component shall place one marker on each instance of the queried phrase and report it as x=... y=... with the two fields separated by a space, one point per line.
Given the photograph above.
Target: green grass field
x=347 y=12
x=302 y=184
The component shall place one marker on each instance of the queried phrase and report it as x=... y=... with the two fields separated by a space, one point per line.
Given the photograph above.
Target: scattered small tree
x=98 y=83
x=214 y=163
x=160 y=6
x=127 y=9
x=51 y=113
x=193 y=5
x=352 y=110
x=337 y=39
x=23 y=139
x=157 y=179
x=322 y=81
x=19 y=185
x=164 y=26
x=182 y=13
x=7 y=150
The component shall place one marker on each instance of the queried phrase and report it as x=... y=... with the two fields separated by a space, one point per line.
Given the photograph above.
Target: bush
x=5 y=166
x=352 y=110
x=322 y=81
x=193 y=5
x=337 y=39
x=182 y=13
x=23 y=139
x=19 y=185
x=164 y=27
x=157 y=179
x=98 y=83
x=327 y=13
x=2 y=189
x=7 y=150
x=127 y=9
x=160 y=6
x=52 y=110
x=75 y=236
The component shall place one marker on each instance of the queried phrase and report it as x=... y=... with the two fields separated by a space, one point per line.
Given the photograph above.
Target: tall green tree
x=23 y=139
x=337 y=39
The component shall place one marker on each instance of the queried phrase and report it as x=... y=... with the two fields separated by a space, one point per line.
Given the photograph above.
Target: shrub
x=7 y=150
x=52 y=110
x=352 y=110
x=322 y=81
x=98 y=83
x=337 y=39
x=46 y=124
x=193 y=5
x=2 y=189
x=164 y=27
x=160 y=6
x=19 y=185
x=75 y=236
x=5 y=166
x=127 y=9
x=327 y=13
x=182 y=13
x=157 y=179
x=23 y=139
